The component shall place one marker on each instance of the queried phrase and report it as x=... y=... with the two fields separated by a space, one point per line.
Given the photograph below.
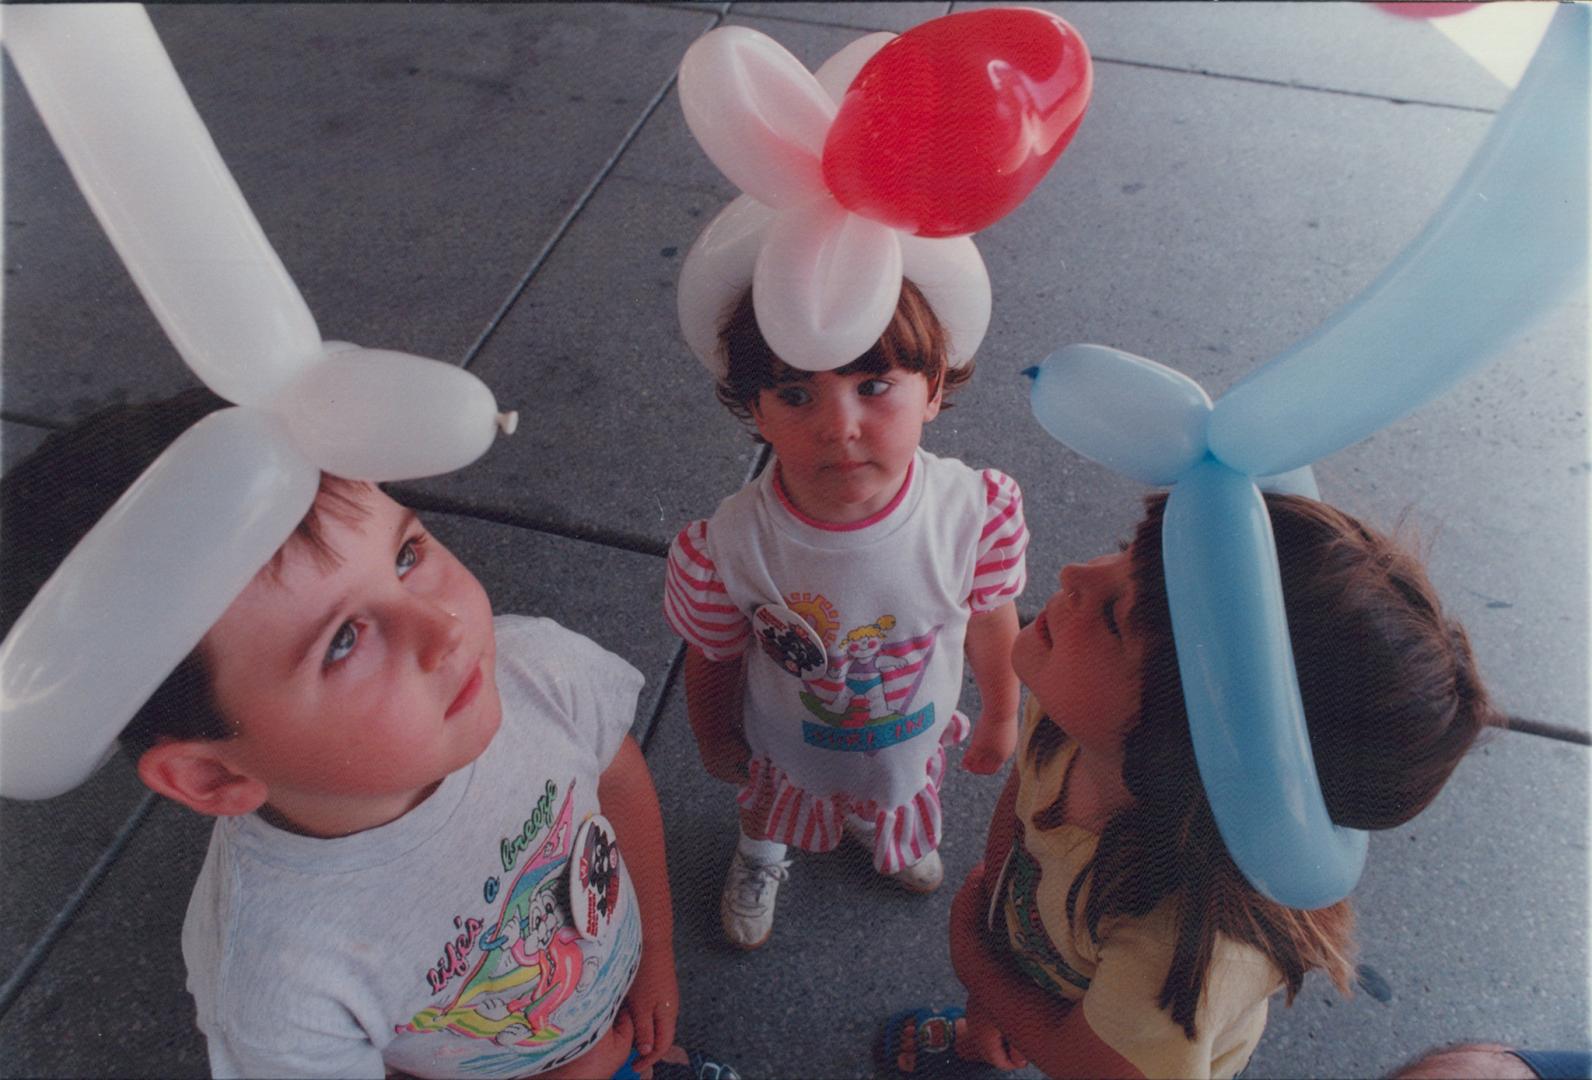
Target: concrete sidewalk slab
x=1351 y=48
x=407 y=163
x=1475 y=917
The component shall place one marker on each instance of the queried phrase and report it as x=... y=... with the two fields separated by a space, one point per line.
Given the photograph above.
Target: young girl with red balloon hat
x=828 y=604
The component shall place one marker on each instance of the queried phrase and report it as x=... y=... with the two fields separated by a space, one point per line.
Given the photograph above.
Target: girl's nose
x=438 y=632
x=1077 y=577
x=840 y=418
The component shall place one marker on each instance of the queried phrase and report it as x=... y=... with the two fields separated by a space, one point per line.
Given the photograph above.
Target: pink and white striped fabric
x=950 y=545
x=1001 y=570
x=695 y=601
x=781 y=810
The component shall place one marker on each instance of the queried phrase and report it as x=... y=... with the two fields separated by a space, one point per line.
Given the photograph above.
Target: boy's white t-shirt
x=439 y=944
x=862 y=734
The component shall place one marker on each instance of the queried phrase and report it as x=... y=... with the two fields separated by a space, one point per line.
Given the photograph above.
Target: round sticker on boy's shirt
x=594 y=879
x=789 y=642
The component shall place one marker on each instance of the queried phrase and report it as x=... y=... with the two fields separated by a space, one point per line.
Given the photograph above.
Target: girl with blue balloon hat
x=1108 y=930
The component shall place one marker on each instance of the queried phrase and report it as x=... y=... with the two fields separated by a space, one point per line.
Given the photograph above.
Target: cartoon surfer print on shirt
x=529 y=962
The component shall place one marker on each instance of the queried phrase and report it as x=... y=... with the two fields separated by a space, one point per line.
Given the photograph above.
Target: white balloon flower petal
x=825 y=285
x=759 y=114
x=825 y=281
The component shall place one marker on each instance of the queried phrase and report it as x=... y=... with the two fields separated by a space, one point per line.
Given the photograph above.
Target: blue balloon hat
x=1509 y=244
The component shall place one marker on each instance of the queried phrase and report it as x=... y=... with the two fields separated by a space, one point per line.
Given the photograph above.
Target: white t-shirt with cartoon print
x=440 y=944
x=857 y=726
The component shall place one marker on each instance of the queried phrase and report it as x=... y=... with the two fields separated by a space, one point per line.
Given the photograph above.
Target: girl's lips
x=467 y=692
x=1042 y=628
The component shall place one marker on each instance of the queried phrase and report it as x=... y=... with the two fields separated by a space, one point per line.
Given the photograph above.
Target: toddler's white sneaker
x=746 y=907
x=923 y=876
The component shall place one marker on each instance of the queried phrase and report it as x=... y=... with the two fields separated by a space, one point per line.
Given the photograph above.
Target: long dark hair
x=1392 y=699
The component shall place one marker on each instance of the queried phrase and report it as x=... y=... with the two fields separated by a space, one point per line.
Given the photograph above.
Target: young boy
x=437 y=850
x=861 y=567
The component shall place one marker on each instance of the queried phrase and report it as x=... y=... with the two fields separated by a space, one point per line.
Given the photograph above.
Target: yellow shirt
x=1119 y=979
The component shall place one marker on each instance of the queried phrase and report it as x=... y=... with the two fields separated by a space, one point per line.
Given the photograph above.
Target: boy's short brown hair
x=52 y=498
x=914 y=341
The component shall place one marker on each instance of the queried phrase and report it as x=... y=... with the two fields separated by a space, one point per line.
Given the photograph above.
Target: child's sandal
x=933 y=1039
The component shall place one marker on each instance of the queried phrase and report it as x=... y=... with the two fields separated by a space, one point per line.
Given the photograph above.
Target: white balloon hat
x=145 y=584
x=825 y=281
x=1508 y=244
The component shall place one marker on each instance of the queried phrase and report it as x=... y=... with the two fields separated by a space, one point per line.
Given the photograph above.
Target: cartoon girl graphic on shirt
x=859 y=666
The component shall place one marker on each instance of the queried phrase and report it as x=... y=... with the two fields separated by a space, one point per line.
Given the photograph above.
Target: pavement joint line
x=564 y=224
x=1541 y=729
x=34 y=421
x=424 y=503
x=1287 y=85
x=677 y=661
x=40 y=950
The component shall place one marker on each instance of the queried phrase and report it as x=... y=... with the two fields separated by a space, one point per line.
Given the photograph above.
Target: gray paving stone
x=1354 y=48
x=1475 y=914
x=48 y=846
x=407 y=163
x=17 y=441
x=112 y=999
x=863 y=16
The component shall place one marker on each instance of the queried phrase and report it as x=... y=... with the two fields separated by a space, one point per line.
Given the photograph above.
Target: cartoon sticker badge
x=789 y=641
x=594 y=879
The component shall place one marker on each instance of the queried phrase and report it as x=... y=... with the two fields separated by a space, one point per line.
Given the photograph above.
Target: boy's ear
x=932 y=409
x=195 y=773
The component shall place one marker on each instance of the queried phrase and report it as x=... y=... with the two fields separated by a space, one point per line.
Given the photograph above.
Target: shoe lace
x=753 y=879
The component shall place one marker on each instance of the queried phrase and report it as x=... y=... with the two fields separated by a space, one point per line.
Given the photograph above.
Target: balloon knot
x=1032 y=372
x=508 y=421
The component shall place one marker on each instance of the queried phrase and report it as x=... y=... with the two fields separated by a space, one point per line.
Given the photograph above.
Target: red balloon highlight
x=1424 y=9
x=949 y=126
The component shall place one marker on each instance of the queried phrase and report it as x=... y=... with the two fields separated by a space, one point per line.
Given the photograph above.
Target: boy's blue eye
x=343 y=643
x=408 y=556
x=874 y=387
x=793 y=395
x=1109 y=613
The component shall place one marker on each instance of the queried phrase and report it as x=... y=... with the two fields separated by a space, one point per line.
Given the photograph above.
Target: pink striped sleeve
x=1001 y=570
x=695 y=601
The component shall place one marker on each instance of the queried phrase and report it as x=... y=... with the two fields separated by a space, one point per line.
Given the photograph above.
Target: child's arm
x=714 y=691
x=989 y=653
x=1000 y=1001
x=628 y=800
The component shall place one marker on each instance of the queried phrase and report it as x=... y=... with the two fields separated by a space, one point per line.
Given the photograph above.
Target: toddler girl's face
x=359 y=682
x=1078 y=657
x=845 y=441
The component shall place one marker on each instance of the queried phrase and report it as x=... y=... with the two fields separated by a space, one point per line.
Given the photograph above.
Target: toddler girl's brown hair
x=915 y=341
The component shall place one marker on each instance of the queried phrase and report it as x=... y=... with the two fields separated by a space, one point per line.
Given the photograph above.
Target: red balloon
x=949 y=126
x=1423 y=9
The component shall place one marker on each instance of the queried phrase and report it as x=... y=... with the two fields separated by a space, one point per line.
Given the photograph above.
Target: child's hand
x=981 y=1040
x=653 y=1005
x=994 y=739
